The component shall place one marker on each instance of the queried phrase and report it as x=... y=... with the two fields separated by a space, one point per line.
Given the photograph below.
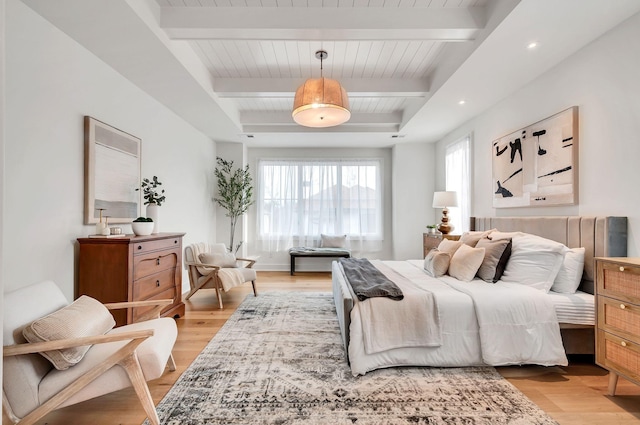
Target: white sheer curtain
x=300 y=199
x=458 y=175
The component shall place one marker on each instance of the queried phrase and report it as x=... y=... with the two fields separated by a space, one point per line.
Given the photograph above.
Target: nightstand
x=432 y=240
x=618 y=318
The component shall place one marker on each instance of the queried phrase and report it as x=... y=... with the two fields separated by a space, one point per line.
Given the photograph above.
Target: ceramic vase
x=153 y=211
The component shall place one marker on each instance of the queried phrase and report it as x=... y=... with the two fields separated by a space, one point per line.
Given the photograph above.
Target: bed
x=465 y=331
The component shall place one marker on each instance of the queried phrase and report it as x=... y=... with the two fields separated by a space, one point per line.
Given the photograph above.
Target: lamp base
x=444 y=227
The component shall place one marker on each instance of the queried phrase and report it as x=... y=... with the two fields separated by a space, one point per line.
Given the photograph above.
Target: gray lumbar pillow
x=496 y=255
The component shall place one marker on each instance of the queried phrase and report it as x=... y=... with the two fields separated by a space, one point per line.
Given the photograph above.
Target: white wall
x=602 y=80
x=51 y=83
x=413 y=187
x=280 y=261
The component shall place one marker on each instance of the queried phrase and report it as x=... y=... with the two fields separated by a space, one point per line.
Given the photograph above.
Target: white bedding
x=576 y=309
x=462 y=337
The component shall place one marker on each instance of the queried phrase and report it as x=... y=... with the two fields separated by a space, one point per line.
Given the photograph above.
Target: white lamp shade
x=445 y=199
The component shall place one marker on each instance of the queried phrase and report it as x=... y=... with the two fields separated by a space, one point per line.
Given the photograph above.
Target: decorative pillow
x=472 y=238
x=465 y=262
x=570 y=274
x=436 y=263
x=496 y=255
x=450 y=247
x=226 y=260
x=534 y=261
x=84 y=317
x=333 y=241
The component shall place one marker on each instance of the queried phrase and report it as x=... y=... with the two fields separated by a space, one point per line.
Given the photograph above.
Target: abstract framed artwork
x=538 y=165
x=112 y=173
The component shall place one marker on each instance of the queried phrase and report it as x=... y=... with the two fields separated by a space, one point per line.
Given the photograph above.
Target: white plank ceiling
x=231 y=67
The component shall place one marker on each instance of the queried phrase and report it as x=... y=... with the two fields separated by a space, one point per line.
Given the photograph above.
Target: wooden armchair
x=222 y=271
x=125 y=356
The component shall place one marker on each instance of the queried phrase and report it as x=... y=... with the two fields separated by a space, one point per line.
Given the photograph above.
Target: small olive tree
x=235 y=190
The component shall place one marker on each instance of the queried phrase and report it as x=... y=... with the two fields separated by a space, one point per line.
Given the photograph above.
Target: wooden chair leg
x=132 y=366
x=253 y=284
x=171 y=363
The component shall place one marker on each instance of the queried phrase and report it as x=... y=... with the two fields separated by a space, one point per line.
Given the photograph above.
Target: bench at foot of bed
x=316 y=252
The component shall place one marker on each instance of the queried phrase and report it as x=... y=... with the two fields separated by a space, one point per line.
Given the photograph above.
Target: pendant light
x=321 y=102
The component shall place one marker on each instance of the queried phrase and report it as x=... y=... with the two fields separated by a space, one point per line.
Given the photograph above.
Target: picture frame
x=538 y=164
x=112 y=173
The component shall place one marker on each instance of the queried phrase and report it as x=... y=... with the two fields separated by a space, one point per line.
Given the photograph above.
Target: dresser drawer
x=153 y=284
x=144 y=247
x=154 y=262
x=619 y=355
x=619 y=281
x=169 y=294
x=619 y=317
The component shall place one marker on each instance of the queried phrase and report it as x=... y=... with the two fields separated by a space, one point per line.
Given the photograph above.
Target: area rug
x=279 y=359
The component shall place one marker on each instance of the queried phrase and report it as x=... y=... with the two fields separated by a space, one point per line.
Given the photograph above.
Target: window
x=300 y=199
x=458 y=175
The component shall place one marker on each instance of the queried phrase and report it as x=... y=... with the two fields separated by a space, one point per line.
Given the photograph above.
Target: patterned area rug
x=279 y=360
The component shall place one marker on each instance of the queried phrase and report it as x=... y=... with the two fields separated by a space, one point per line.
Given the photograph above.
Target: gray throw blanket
x=367 y=281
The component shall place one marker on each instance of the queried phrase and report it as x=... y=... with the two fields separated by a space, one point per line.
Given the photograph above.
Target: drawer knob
x=157 y=283
x=621 y=268
x=624 y=344
x=622 y=306
x=175 y=241
x=158 y=261
x=139 y=246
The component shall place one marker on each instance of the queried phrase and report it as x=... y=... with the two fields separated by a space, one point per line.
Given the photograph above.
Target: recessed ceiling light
x=462 y=102
x=532 y=45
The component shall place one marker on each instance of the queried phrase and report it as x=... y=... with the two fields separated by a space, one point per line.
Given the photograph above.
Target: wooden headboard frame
x=600 y=236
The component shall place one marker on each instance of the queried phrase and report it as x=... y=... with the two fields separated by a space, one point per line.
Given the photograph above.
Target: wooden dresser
x=618 y=318
x=432 y=240
x=133 y=268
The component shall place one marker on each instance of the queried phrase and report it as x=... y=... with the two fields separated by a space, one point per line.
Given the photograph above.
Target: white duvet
x=480 y=323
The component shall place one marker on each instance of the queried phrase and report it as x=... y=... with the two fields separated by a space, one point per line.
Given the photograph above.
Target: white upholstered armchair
x=56 y=354
x=213 y=266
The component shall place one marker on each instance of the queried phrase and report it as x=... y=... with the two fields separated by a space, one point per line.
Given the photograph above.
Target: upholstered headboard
x=600 y=236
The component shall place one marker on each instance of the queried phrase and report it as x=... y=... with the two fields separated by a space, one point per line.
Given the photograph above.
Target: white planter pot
x=153 y=212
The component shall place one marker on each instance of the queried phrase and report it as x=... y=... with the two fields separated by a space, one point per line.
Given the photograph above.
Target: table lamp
x=444 y=200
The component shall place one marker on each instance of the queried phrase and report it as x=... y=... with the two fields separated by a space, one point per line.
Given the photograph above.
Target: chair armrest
x=206 y=266
x=37 y=347
x=129 y=304
x=154 y=313
x=248 y=260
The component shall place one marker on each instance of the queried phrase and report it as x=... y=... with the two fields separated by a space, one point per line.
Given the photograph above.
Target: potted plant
x=432 y=228
x=234 y=194
x=153 y=198
x=142 y=226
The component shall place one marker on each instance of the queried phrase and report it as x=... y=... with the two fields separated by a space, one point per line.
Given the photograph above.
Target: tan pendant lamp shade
x=321 y=102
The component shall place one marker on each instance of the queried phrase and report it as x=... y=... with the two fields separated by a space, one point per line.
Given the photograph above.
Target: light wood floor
x=573 y=395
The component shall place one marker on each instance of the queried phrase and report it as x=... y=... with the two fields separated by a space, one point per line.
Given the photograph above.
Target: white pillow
x=436 y=263
x=450 y=247
x=473 y=237
x=86 y=316
x=333 y=241
x=534 y=261
x=225 y=260
x=570 y=274
x=465 y=262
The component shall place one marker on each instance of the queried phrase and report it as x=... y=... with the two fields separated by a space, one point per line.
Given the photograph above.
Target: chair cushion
x=152 y=355
x=233 y=277
x=21 y=307
x=84 y=317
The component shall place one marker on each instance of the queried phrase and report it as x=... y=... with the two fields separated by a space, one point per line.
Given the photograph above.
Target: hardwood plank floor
x=573 y=395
